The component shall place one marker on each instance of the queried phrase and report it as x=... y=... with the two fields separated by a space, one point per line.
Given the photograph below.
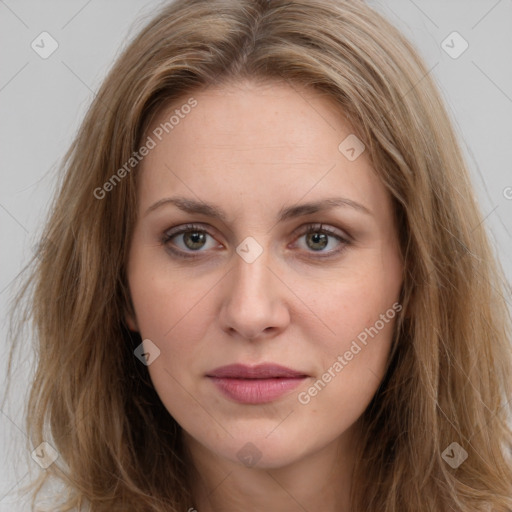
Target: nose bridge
x=251 y=303
x=251 y=274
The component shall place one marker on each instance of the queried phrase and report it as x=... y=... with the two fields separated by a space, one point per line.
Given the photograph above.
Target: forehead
x=267 y=143
x=251 y=115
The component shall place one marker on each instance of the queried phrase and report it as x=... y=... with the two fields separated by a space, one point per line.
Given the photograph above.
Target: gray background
x=42 y=102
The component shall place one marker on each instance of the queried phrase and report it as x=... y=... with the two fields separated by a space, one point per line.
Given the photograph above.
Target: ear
x=128 y=311
x=129 y=316
x=131 y=321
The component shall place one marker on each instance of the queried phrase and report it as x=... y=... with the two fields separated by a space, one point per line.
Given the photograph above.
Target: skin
x=252 y=149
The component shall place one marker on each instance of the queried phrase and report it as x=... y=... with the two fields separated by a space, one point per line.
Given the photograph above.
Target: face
x=229 y=266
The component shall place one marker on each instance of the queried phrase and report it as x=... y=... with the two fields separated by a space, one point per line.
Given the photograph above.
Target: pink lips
x=255 y=384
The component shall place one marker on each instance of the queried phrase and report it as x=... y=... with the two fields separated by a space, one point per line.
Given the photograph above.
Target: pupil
x=196 y=238
x=320 y=238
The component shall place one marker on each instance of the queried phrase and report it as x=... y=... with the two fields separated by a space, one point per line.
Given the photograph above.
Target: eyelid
x=184 y=228
x=323 y=227
x=313 y=227
x=318 y=227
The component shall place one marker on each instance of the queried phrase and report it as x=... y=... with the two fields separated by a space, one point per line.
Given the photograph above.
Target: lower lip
x=256 y=391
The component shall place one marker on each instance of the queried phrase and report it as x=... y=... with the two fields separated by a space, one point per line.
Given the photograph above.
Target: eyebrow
x=200 y=207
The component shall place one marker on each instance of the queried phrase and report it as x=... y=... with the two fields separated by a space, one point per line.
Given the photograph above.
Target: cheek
x=174 y=317
x=350 y=306
x=360 y=312
x=165 y=299
x=354 y=361
x=173 y=313
x=177 y=324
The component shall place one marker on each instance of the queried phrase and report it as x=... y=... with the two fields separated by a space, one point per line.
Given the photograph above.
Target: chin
x=260 y=453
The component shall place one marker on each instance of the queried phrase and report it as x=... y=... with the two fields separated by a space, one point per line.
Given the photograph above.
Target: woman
x=265 y=282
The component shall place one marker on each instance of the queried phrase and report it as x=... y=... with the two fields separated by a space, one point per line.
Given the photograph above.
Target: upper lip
x=260 y=371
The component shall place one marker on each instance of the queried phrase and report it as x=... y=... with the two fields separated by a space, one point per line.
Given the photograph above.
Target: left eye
x=192 y=238
x=317 y=238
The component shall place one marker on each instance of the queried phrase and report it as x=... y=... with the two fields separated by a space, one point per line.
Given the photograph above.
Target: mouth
x=255 y=384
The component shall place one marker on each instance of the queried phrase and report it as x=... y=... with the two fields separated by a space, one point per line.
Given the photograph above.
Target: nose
x=254 y=300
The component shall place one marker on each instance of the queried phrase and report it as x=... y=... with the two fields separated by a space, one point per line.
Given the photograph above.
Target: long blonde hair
x=448 y=377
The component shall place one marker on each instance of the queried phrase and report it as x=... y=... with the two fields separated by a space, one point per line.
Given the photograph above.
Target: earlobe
x=129 y=314
x=131 y=322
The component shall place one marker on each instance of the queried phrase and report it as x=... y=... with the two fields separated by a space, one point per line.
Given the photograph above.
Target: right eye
x=188 y=238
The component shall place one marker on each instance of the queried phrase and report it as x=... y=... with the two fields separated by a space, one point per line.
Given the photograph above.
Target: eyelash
x=168 y=235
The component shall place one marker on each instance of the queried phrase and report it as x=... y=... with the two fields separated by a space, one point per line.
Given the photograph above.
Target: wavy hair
x=449 y=370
